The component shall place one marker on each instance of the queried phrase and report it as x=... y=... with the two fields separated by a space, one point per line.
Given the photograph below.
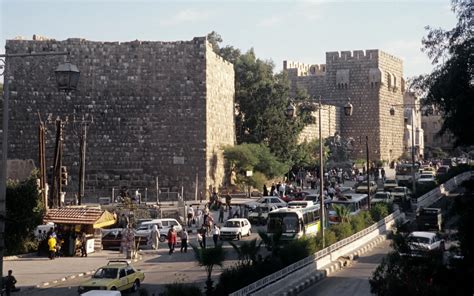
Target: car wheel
x=113 y=288
x=136 y=285
x=239 y=236
x=162 y=238
x=249 y=233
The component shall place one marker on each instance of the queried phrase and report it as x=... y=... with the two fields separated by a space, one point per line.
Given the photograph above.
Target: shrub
x=379 y=211
x=358 y=223
x=297 y=250
x=329 y=238
x=180 y=289
x=342 y=230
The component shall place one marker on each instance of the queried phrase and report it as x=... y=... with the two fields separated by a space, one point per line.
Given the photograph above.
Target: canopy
x=80 y=215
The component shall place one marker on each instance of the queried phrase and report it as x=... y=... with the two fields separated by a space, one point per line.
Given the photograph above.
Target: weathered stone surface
x=159 y=109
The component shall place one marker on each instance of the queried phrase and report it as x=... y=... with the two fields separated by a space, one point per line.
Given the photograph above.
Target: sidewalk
x=41 y=271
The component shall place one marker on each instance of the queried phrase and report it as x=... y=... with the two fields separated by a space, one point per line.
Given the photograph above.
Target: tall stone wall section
x=362 y=77
x=330 y=124
x=148 y=101
x=220 y=116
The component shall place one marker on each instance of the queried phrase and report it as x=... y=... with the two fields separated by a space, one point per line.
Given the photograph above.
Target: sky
x=300 y=31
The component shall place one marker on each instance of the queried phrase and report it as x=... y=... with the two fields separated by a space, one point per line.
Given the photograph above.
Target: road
x=353 y=280
x=159 y=270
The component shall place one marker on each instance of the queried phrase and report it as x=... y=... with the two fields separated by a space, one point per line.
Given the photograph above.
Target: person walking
x=382 y=173
x=83 y=244
x=216 y=232
x=204 y=234
x=190 y=215
x=184 y=240
x=52 y=247
x=171 y=239
x=155 y=237
x=199 y=238
x=221 y=214
x=229 y=214
x=199 y=217
x=10 y=282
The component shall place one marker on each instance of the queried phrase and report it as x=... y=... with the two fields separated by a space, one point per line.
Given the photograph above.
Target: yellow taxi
x=116 y=275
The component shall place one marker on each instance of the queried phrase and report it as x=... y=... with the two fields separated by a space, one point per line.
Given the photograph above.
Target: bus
x=353 y=202
x=404 y=173
x=294 y=221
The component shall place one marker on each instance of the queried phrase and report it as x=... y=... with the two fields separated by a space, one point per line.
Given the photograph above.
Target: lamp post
x=3 y=171
x=290 y=112
x=412 y=108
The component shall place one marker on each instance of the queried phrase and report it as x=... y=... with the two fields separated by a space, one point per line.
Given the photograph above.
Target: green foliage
x=180 y=289
x=247 y=252
x=449 y=86
x=307 y=154
x=208 y=258
x=343 y=214
x=342 y=230
x=24 y=212
x=358 y=223
x=379 y=210
x=297 y=250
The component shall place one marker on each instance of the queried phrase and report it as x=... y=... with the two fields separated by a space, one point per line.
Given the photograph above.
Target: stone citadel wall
x=373 y=81
x=150 y=103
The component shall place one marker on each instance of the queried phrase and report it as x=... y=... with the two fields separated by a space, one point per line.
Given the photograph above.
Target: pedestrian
x=272 y=189
x=382 y=173
x=184 y=240
x=52 y=247
x=216 y=232
x=155 y=237
x=221 y=214
x=265 y=190
x=229 y=214
x=198 y=217
x=190 y=215
x=83 y=244
x=204 y=234
x=10 y=282
x=199 y=238
x=171 y=239
x=228 y=200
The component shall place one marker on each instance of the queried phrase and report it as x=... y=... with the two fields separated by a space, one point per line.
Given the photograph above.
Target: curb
x=14 y=257
x=339 y=264
x=71 y=277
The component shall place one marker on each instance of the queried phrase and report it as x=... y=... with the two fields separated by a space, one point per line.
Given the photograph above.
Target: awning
x=80 y=215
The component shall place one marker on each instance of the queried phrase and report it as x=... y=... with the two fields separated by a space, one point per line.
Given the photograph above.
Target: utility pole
x=82 y=163
x=368 y=166
x=56 y=187
x=42 y=162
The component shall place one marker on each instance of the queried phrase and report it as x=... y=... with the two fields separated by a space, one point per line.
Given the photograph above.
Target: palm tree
x=209 y=258
x=272 y=242
x=342 y=213
x=247 y=252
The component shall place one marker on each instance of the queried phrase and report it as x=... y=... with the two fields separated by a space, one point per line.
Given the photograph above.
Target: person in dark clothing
x=265 y=190
x=83 y=245
x=272 y=189
x=10 y=282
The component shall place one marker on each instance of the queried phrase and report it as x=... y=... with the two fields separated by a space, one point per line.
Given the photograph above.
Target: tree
x=247 y=251
x=208 y=258
x=449 y=87
x=24 y=212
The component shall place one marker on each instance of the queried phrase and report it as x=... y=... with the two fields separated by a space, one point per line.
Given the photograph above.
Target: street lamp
x=290 y=112
x=71 y=82
x=392 y=113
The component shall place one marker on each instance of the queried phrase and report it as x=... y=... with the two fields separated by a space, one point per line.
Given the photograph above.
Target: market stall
x=72 y=222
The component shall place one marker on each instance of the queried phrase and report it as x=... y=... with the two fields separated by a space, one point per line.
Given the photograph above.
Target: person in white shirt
x=199 y=217
x=190 y=215
x=216 y=232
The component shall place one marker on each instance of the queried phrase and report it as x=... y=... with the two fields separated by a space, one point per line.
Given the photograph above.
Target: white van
x=144 y=229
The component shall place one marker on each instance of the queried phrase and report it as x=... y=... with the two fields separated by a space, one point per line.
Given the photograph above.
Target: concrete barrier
x=298 y=270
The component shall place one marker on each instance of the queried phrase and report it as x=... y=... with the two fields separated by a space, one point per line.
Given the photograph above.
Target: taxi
x=116 y=275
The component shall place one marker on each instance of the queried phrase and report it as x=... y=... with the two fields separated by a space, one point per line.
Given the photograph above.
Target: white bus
x=353 y=202
x=294 y=222
x=404 y=173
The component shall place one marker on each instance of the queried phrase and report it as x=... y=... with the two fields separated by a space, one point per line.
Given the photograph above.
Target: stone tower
x=159 y=109
x=373 y=81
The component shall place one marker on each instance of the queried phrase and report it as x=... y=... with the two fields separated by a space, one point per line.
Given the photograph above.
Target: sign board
x=249 y=173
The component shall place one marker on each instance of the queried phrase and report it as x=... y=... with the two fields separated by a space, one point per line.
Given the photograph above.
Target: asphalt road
x=352 y=280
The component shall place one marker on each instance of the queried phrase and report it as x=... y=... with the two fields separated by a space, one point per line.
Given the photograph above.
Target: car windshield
x=283 y=223
x=398 y=189
x=419 y=239
x=105 y=273
x=391 y=182
x=426 y=176
x=380 y=195
x=232 y=224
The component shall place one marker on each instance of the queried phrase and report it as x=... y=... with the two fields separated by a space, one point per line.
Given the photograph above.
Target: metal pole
x=3 y=178
x=368 y=166
x=321 y=176
x=196 y=189
x=157 y=192
x=82 y=163
x=413 y=151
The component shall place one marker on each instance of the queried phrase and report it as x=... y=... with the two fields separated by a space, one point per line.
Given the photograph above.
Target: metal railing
x=261 y=283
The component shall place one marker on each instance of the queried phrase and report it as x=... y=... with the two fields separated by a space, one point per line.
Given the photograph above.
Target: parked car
x=259 y=215
x=267 y=200
x=442 y=170
x=429 y=218
x=362 y=187
x=112 y=239
x=382 y=196
x=116 y=275
x=421 y=242
x=427 y=179
x=236 y=228
x=144 y=229
x=389 y=184
x=400 y=194
x=299 y=195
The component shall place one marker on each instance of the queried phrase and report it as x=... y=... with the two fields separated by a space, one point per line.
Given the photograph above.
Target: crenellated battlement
x=369 y=54
x=303 y=69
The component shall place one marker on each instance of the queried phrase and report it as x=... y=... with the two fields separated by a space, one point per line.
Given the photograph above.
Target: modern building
x=162 y=113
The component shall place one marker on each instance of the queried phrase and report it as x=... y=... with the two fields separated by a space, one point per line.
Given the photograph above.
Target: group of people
x=55 y=244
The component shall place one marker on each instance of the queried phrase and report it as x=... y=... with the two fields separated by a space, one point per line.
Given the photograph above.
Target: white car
x=426 y=178
x=268 y=201
x=382 y=196
x=423 y=241
x=144 y=229
x=236 y=228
